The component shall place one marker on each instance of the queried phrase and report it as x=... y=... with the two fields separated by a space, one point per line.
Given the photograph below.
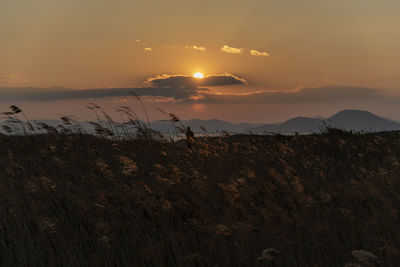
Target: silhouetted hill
x=361 y=121
x=298 y=124
x=355 y=120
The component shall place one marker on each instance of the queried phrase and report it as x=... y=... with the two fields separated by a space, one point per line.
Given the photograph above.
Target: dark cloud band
x=184 y=80
x=53 y=94
x=326 y=94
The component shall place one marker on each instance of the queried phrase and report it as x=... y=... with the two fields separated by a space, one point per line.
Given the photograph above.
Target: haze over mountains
x=354 y=120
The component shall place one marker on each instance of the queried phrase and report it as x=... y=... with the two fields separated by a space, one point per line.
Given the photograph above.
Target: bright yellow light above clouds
x=198 y=75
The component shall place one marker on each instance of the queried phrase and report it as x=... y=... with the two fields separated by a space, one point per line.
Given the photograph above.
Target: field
x=81 y=200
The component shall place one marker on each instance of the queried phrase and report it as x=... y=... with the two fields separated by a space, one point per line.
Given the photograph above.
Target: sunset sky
x=262 y=60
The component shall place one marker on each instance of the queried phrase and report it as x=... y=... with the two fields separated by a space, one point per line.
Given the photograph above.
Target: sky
x=262 y=60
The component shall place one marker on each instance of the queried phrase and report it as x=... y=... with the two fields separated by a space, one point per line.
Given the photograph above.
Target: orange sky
x=279 y=46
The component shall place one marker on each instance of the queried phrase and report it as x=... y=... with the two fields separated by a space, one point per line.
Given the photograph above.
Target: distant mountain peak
x=353 y=111
x=356 y=114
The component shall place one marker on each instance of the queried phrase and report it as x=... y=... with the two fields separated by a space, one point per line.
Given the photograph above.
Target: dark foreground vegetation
x=79 y=200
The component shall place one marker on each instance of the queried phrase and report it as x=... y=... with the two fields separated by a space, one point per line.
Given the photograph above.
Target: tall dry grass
x=73 y=199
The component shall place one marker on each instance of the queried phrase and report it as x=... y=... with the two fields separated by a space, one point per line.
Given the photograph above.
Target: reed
x=127 y=196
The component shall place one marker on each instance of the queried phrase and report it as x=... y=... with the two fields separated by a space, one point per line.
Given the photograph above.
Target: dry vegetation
x=80 y=200
x=73 y=199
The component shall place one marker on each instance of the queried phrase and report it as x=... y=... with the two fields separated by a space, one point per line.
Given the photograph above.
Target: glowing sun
x=198 y=75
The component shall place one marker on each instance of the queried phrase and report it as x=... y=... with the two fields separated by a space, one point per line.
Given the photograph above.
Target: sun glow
x=198 y=75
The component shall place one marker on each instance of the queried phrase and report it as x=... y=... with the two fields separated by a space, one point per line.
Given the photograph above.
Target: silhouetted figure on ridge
x=189 y=137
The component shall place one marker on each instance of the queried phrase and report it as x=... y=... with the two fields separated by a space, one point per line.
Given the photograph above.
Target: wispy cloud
x=144 y=45
x=196 y=47
x=231 y=50
x=325 y=94
x=258 y=53
x=141 y=42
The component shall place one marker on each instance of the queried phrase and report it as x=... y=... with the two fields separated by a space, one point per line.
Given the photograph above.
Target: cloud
x=141 y=42
x=185 y=80
x=325 y=94
x=196 y=47
x=11 y=94
x=171 y=88
x=259 y=54
x=179 y=93
x=144 y=44
x=179 y=87
x=231 y=50
x=221 y=80
x=56 y=93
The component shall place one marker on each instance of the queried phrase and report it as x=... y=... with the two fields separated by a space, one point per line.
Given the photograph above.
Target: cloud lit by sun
x=198 y=75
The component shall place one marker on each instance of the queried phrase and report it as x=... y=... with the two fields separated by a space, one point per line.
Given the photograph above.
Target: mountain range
x=355 y=120
x=351 y=120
